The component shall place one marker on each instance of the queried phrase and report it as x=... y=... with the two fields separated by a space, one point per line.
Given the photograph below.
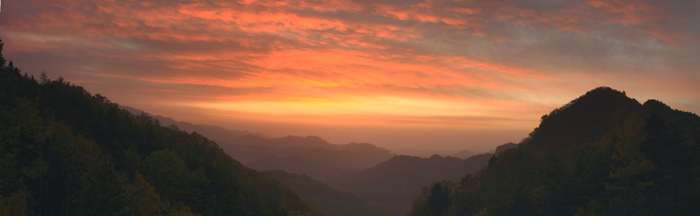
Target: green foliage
x=64 y=151
x=439 y=199
x=435 y=200
x=601 y=154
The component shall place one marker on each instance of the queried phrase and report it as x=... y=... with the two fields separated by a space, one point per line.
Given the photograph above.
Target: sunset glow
x=340 y=69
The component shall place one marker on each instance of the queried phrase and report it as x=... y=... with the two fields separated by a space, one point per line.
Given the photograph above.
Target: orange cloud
x=480 y=63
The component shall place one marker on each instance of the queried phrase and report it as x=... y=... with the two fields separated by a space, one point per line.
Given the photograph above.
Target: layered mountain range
x=373 y=174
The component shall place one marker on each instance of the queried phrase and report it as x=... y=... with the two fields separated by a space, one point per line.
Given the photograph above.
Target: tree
x=2 y=59
x=439 y=199
x=44 y=78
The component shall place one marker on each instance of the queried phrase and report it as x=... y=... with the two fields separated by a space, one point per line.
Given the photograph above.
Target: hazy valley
x=372 y=175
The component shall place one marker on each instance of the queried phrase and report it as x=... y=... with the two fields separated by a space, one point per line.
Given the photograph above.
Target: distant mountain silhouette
x=324 y=199
x=296 y=141
x=426 y=153
x=464 y=154
x=310 y=155
x=396 y=182
x=601 y=154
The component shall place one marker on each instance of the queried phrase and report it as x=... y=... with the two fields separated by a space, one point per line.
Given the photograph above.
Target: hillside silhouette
x=214 y=133
x=64 y=151
x=394 y=183
x=323 y=198
x=601 y=154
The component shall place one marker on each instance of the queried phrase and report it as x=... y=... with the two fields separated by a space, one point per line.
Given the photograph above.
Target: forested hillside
x=213 y=133
x=601 y=154
x=64 y=151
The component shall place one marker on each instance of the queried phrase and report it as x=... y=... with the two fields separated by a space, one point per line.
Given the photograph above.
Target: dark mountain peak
x=605 y=90
x=602 y=93
x=598 y=98
x=656 y=104
x=584 y=119
x=654 y=101
x=436 y=156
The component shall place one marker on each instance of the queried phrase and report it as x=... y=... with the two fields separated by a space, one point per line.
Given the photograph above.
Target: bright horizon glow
x=453 y=74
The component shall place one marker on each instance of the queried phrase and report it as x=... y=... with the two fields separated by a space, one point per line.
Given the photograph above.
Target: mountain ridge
x=311 y=154
x=600 y=154
x=394 y=183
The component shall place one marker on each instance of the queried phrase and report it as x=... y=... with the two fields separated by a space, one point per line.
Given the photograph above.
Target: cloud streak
x=367 y=62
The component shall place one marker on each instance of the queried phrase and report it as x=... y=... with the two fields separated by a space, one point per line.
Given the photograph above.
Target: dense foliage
x=64 y=151
x=601 y=154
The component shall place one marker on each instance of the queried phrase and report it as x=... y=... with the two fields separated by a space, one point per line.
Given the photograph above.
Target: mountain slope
x=323 y=198
x=64 y=151
x=311 y=155
x=396 y=182
x=215 y=133
x=505 y=147
x=601 y=154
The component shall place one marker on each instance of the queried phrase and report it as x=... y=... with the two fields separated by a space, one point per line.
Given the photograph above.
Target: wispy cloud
x=382 y=62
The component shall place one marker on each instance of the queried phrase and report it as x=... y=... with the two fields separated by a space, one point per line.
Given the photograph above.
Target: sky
x=424 y=74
